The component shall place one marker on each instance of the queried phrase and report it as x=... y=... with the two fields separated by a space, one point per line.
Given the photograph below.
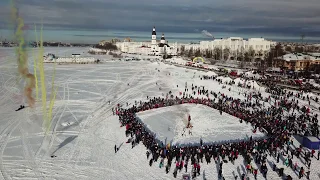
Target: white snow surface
x=168 y=123
x=211 y=73
x=84 y=131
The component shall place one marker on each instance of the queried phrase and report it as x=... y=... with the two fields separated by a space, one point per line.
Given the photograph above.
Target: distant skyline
x=270 y=18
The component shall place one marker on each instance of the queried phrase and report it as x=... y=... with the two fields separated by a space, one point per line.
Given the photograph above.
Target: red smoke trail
x=22 y=55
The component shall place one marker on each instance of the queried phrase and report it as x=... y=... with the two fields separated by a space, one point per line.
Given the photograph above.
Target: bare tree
x=288 y=49
x=241 y=54
x=246 y=56
x=216 y=53
x=260 y=53
x=252 y=53
x=197 y=52
x=190 y=53
x=182 y=50
x=208 y=53
x=226 y=53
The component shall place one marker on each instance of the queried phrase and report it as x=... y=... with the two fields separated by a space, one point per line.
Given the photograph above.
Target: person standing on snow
x=255 y=172
x=198 y=168
x=161 y=163
x=148 y=154
x=186 y=165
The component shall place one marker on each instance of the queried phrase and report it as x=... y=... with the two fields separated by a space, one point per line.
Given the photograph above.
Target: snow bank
x=225 y=79
x=97 y=50
x=177 y=61
x=211 y=73
x=250 y=74
x=239 y=80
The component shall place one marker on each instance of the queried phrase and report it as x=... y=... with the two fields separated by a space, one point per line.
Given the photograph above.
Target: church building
x=152 y=48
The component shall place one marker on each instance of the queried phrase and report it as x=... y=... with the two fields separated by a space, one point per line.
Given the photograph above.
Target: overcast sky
x=291 y=17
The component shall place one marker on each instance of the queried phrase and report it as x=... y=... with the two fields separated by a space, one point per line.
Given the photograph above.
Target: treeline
x=106 y=46
x=58 y=44
x=301 y=48
x=218 y=54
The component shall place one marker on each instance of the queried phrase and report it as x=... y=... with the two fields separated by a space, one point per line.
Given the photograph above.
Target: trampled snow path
x=84 y=131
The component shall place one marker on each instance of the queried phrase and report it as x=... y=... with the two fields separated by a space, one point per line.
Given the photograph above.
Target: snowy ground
x=168 y=123
x=84 y=131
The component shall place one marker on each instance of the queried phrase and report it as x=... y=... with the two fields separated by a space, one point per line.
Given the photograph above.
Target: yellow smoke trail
x=46 y=112
x=35 y=65
x=52 y=99
x=42 y=79
x=30 y=79
x=35 y=73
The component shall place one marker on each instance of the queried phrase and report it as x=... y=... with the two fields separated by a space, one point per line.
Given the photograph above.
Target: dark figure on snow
x=167 y=168
x=301 y=172
x=115 y=148
x=186 y=166
x=175 y=172
x=21 y=107
x=148 y=154
x=198 y=169
x=220 y=173
x=242 y=176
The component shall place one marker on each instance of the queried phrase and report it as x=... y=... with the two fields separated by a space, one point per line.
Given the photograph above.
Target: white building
x=153 y=47
x=75 y=58
x=235 y=45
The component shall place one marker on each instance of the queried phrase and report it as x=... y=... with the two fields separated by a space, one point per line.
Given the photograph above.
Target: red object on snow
x=189 y=118
x=233 y=73
x=298 y=81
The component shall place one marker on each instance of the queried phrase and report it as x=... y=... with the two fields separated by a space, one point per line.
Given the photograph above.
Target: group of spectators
x=279 y=116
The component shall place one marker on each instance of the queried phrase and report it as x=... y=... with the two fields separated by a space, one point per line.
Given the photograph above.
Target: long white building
x=235 y=45
x=75 y=58
x=153 y=47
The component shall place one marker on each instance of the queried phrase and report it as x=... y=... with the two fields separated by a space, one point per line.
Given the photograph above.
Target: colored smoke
x=21 y=53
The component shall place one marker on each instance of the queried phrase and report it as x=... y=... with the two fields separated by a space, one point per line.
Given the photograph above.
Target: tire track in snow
x=50 y=139
x=100 y=110
x=28 y=154
x=3 y=145
x=45 y=138
x=125 y=96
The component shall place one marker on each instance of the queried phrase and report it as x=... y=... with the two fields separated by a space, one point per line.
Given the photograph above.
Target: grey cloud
x=290 y=16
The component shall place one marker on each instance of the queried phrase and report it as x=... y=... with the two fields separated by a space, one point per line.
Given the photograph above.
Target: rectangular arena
x=169 y=125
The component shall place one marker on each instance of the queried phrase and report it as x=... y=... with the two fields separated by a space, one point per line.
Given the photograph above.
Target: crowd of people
x=280 y=120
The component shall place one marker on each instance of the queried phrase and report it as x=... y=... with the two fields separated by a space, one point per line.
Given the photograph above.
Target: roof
x=312 y=139
x=162 y=45
x=296 y=57
x=314 y=54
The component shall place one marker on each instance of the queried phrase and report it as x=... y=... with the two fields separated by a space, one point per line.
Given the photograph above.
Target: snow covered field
x=168 y=124
x=84 y=131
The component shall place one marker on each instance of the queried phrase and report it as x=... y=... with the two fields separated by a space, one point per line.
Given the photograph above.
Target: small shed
x=311 y=142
